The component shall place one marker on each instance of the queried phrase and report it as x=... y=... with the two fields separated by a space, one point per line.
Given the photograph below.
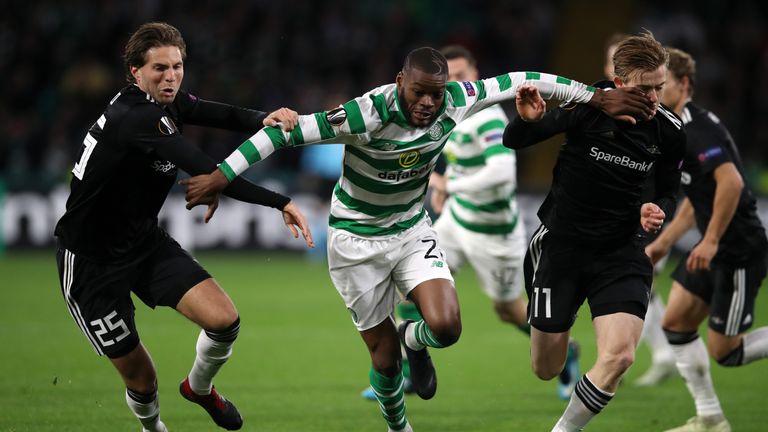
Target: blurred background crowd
x=61 y=63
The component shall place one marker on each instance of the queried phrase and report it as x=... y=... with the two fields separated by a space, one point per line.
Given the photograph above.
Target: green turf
x=299 y=364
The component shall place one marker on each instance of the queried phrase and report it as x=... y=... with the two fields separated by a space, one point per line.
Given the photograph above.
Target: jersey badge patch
x=714 y=151
x=336 y=117
x=469 y=88
x=167 y=126
x=436 y=131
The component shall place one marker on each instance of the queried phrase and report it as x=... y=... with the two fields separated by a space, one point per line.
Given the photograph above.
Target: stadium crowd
x=58 y=74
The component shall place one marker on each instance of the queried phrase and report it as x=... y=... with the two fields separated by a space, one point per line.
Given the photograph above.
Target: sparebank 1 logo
x=409 y=158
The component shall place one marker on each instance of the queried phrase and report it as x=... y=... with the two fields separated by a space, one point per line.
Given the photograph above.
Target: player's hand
x=203 y=189
x=288 y=117
x=651 y=217
x=657 y=250
x=529 y=103
x=294 y=218
x=624 y=103
x=701 y=256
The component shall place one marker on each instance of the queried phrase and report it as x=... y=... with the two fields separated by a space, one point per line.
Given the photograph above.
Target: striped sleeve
x=484 y=93
x=337 y=126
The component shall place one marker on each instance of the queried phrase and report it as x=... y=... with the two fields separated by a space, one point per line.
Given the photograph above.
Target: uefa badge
x=436 y=131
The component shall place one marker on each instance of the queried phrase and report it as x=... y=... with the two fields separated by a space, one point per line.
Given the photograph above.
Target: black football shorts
x=560 y=273
x=729 y=290
x=98 y=295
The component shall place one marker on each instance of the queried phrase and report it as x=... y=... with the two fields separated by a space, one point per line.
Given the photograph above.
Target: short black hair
x=426 y=59
x=451 y=52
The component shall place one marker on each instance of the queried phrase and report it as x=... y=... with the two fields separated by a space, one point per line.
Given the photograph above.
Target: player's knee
x=223 y=321
x=727 y=356
x=506 y=314
x=619 y=361
x=447 y=332
x=545 y=371
x=225 y=330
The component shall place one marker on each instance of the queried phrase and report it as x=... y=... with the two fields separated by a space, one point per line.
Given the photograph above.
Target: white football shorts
x=373 y=274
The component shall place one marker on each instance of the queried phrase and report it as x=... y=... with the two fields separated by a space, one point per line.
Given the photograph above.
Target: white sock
x=586 y=402
x=755 y=345
x=146 y=408
x=410 y=338
x=693 y=363
x=653 y=334
x=213 y=350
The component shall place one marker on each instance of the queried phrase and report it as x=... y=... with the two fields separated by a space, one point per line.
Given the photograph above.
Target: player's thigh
x=685 y=310
x=167 y=274
x=361 y=272
x=207 y=305
x=419 y=262
x=451 y=242
x=98 y=298
x=553 y=273
x=617 y=333
x=619 y=281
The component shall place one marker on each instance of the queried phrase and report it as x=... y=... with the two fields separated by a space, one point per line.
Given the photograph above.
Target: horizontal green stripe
x=379 y=186
x=461 y=138
x=392 y=164
x=227 y=171
x=378 y=211
x=486 y=229
x=469 y=162
x=447 y=126
x=562 y=80
x=532 y=76
x=481 y=94
x=297 y=136
x=380 y=105
x=491 y=125
x=496 y=149
x=373 y=230
x=326 y=130
x=505 y=82
x=457 y=94
x=354 y=117
x=248 y=150
x=490 y=207
x=276 y=137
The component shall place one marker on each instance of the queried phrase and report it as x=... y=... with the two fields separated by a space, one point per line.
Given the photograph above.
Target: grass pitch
x=299 y=364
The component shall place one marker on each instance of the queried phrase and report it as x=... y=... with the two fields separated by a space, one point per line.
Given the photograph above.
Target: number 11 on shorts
x=547 y=306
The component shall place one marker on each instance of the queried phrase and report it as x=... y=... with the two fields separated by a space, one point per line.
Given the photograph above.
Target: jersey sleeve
x=478 y=95
x=709 y=146
x=667 y=169
x=520 y=134
x=148 y=129
x=201 y=112
x=338 y=126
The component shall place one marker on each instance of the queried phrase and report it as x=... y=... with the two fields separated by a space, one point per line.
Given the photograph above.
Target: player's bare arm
x=727 y=195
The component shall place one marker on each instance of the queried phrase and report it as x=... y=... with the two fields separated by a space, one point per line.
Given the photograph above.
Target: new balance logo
x=747 y=319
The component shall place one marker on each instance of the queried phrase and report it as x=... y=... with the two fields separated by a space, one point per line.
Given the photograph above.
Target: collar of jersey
x=400 y=120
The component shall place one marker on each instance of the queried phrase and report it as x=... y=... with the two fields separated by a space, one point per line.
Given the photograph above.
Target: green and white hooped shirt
x=387 y=161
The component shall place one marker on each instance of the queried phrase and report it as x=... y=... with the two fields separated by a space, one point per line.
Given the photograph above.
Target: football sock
x=407 y=311
x=389 y=393
x=755 y=345
x=653 y=334
x=146 y=408
x=693 y=364
x=213 y=350
x=586 y=402
x=418 y=335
